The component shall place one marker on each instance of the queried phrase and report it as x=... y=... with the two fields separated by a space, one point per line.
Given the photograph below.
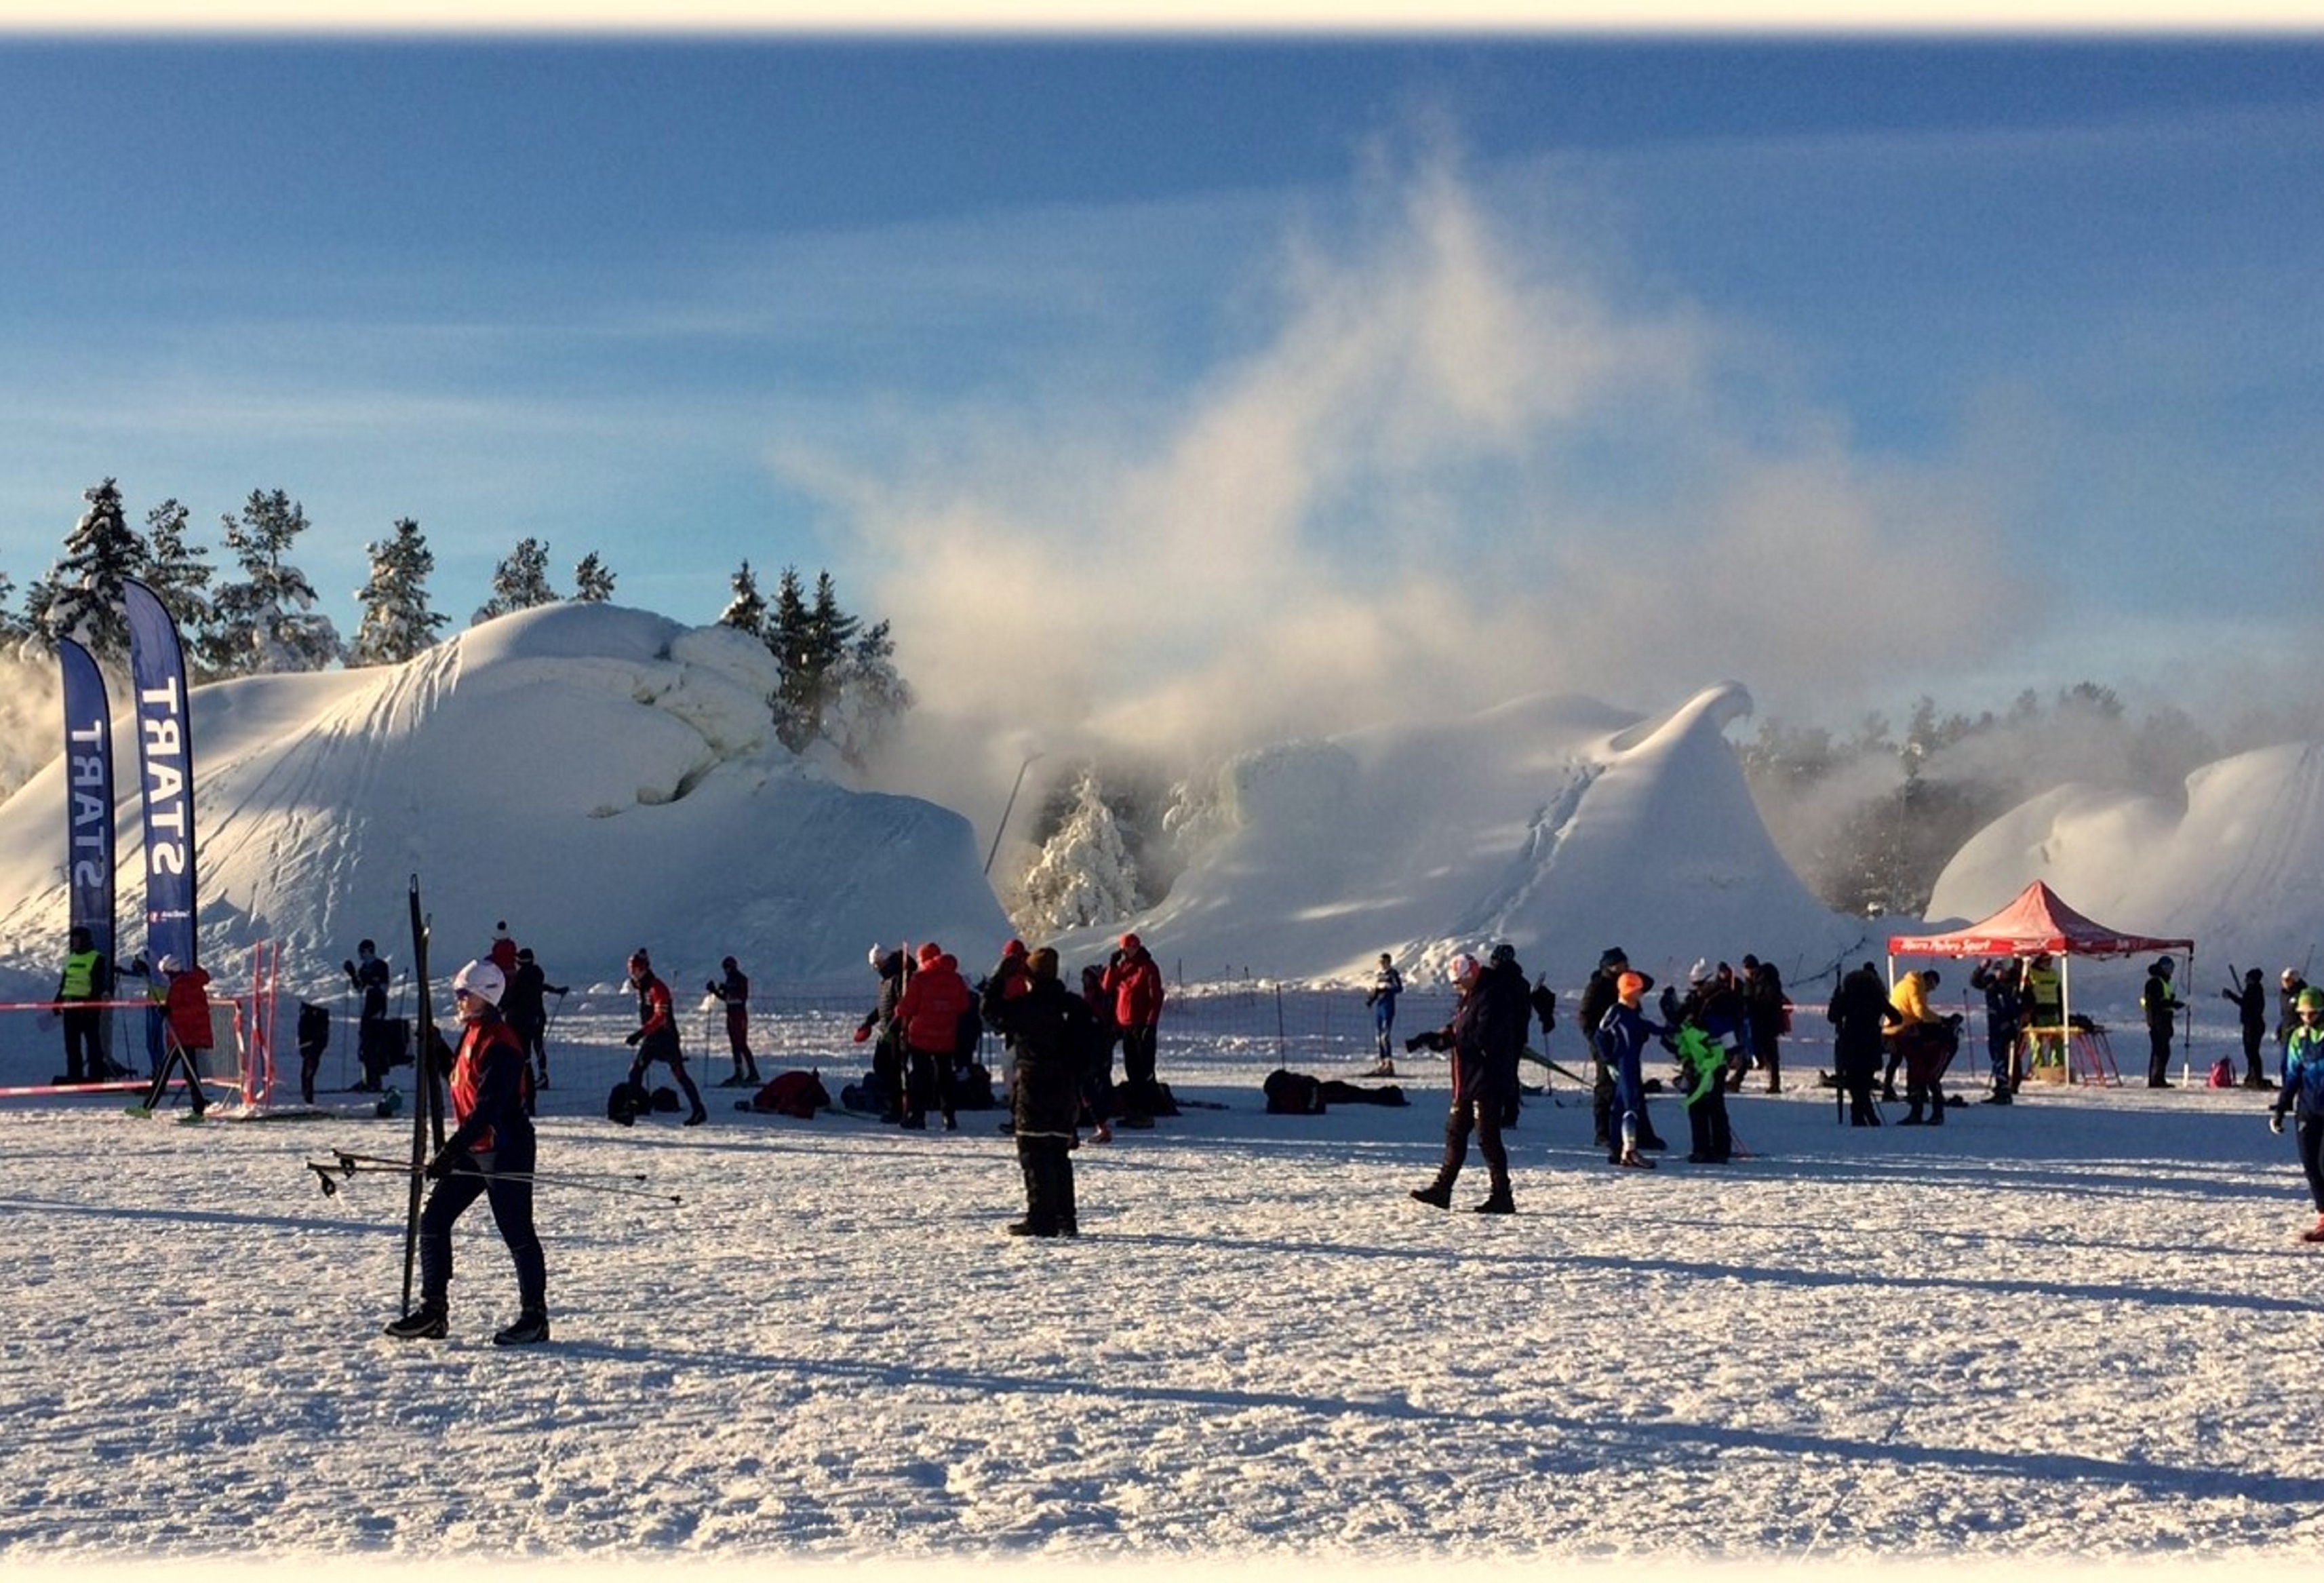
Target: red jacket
x=189 y=1008
x=1135 y=984
x=932 y=1006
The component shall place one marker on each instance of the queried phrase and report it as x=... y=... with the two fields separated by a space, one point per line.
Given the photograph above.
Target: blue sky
x=1842 y=367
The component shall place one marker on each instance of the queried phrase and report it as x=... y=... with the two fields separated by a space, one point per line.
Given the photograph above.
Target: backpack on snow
x=1290 y=1093
x=626 y=1103
x=794 y=1094
x=2223 y=1076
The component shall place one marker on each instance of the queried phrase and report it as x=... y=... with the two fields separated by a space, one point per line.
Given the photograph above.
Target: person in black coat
x=1858 y=1012
x=1051 y=1033
x=525 y=1009
x=1488 y=1030
x=2004 y=1014
x=2251 y=1011
x=368 y=972
x=2161 y=1005
x=1765 y=1013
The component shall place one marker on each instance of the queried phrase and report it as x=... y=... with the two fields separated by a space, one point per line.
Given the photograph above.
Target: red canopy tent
x=2037 y=920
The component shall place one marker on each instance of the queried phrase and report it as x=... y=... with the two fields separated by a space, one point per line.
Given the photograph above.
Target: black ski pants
x=1479 y=1112
x=504 y=1179
x=1046 y=1161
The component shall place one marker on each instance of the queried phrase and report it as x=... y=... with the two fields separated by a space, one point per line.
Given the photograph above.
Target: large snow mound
x=1557 y=823
x=2238 y=868
x=600 y=778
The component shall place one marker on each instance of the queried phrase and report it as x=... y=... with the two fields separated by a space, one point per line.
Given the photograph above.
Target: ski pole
x=324 y=1174
x=349 y=1163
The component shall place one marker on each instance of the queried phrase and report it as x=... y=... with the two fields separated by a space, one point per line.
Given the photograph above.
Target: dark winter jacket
x=2005 y=997
x=1598 y=996
x=370 y=977
x=1054 y=1034
x=1489 y=1031
x=1859 y=1010
x=2251 y=1005
x=1764 y=1005
x=2160 y=1002
x=523 y=1004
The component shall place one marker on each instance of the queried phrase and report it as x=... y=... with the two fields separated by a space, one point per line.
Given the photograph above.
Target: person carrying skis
x=489 y=1155
x=2251 y=1013
x=188 y=1034
x=733 y=992
x=2303 y=1092
x=525 y=1009
x=928 y=1016
x=1387 y=984
x=655 y=1038
x=1490 y=1021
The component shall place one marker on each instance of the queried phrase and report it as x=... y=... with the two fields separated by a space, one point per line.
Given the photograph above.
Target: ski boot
x=531 y=1326
x=424 y=1323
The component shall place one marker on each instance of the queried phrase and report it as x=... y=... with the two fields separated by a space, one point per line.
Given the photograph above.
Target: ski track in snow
x=2071 y=1331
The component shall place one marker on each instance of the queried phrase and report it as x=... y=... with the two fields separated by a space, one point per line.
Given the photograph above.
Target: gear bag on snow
x=795 y=1094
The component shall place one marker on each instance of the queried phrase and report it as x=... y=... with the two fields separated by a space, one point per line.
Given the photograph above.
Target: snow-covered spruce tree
x=746 y=610
x=177 y=573
x=83 y=587
x=265 y=624
x=396 y=622
x=593 y=580
x=520 y=582
x=1084 y=875
x=866 y=697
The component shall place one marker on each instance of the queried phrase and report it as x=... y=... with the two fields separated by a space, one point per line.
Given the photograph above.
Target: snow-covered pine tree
x=797 y=710
x=85 y=586
x=867 y=696
x=1084 y=875
x=177 y=573
x=746 y=610
x=396 y=623
x=593 y=580
x=520 y=582
x=265 y=624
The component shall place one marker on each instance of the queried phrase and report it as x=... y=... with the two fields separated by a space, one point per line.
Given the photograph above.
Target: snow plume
x=1452 y=469
x=32 y=719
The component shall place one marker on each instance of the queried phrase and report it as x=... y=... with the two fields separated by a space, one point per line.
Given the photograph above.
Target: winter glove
x=2275 y=1122
x=448 y=1161
x=708 y=988
x=862 y=1033
x=635 y=1034
x=350 y=967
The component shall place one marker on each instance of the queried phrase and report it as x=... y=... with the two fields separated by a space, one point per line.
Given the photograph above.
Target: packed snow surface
x=2073 y=1328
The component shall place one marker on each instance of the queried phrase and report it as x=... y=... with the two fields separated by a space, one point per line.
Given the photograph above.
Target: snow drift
x=2239 y=866
x=1553 y=822
x=600 y=778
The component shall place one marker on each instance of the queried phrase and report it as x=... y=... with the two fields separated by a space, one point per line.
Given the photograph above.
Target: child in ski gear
x=369 y=974
x=2161 y=1005
x=1049 y=1030
x=1387 y=984
x=1136 y=985
x=2251 y=1012
x=186 y=1035
x=734 y=992
x=1488 y=1021
x=1704 y=1059
x=1622 y=1035
x=929 y=1015
x=655 y=1038
x=490 y=1155
x=2287 y=1005
x=1598 y=996
x=2303 y=1090
x=525 y=1008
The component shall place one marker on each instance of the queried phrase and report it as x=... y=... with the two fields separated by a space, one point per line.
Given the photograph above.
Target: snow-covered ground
x=2078 y=1328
